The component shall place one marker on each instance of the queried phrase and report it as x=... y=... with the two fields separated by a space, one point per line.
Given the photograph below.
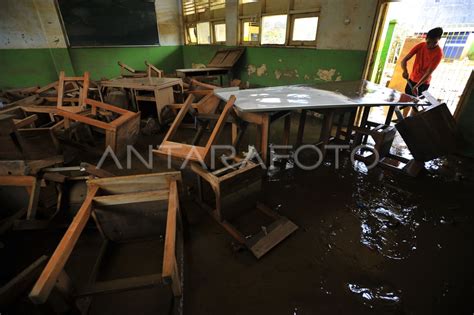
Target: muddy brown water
x=369 y=242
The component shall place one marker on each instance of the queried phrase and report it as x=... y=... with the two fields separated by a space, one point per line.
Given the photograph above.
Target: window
x=203 y=33
x=282 y=22
x=304 y=30
x=191 y=35
x=204 y=21
x=219 y=32
x=250 y=32
x=274 y=29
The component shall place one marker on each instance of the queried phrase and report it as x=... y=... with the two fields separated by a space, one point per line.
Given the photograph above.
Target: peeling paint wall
x=263 y=66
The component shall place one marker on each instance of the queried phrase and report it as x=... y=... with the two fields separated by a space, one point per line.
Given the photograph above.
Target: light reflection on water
x=379 y=295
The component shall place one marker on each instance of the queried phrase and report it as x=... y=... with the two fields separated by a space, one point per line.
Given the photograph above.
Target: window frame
x=256 y=11
x=213 y=35
x=187 y=37
x=210 y=32
x=285 y=43
x=206 y=11
x=300 y=43
x=243 y=20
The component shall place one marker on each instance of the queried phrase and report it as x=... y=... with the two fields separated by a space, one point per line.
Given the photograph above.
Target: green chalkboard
x=109 y=22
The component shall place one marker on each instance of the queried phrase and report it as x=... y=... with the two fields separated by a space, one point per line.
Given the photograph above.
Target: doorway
x=406 y=23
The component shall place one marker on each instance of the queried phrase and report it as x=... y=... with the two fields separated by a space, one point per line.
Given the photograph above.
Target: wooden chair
x=191 y=151
x=151 y=71
x=123 y=208
x=80 y=101
x=29 y=133
x=231 y=185
x=120 y=131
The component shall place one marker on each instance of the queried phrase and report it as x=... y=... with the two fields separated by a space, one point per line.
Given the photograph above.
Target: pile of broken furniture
x=35 y=131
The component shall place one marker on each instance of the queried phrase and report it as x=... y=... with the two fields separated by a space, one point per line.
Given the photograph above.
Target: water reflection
x=387 y=219
x=376 y=296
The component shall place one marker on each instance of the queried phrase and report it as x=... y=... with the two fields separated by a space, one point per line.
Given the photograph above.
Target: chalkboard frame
x=152 y=39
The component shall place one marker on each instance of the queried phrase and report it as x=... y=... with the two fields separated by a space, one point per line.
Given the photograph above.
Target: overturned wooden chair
x=140 y=207
x=192 y=151
x=236 y=188
x=151 y=71
x=121 y=127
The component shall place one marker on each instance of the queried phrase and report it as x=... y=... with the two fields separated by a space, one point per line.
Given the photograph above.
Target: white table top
x=320 y=96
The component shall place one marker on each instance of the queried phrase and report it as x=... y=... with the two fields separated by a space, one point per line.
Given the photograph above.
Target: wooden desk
x=162 y=89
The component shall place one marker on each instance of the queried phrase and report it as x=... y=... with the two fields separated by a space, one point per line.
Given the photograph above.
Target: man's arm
x=424 y=78
x=404 y=64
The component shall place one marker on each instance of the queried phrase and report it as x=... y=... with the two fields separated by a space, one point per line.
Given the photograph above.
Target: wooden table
x=162 y=89
x=204 y=72
x=264 y=105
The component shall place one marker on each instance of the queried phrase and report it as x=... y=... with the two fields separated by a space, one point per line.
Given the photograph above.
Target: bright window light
x=250 y=32
x=219 y=32
x=304 y=29
x=274 y=29
x=203 y=33
x=192 y=35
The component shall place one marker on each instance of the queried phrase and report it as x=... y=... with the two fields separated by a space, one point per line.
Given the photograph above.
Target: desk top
x=190 y=70
x=320 y=96
x=145 y=83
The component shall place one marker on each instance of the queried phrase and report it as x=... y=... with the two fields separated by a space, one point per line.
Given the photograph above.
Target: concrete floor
x=372 y=242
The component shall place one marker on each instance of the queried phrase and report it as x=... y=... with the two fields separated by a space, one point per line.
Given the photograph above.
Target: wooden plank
x=60 y=89
x=21 y=123
x=34 y=198
x=47 y=87
x=39 y=109
x=109 y=107
x=37 y=165
x=22 y=282
x=86 y=120
x=43 y=287
x=179 y=118
x=97 y=172
x=124 y=284
x=136 y=197
x=182 y=151
x=262 y=243
x=136 y=183
x=14 y=167
x=17 y=180
x=170 y=271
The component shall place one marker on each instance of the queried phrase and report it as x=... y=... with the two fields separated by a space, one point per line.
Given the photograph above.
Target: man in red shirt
x=428 y=56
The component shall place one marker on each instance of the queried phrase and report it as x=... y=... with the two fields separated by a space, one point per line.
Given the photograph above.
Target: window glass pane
x=203 y=33
x=274 y=29
x=192 y=35
x=250 y=32
x=219 y=32
x=305 y=28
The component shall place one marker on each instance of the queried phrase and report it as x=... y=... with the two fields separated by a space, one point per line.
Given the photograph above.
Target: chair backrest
x=195 y=153
x=81 y=100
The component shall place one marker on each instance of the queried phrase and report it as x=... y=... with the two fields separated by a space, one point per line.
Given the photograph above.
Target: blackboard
x=109 y=22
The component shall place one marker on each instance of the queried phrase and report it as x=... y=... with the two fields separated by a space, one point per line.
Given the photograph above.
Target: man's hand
x=405 y=75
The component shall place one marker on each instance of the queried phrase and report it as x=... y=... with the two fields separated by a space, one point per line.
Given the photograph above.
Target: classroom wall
x=342 y=41
x=33 y=47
